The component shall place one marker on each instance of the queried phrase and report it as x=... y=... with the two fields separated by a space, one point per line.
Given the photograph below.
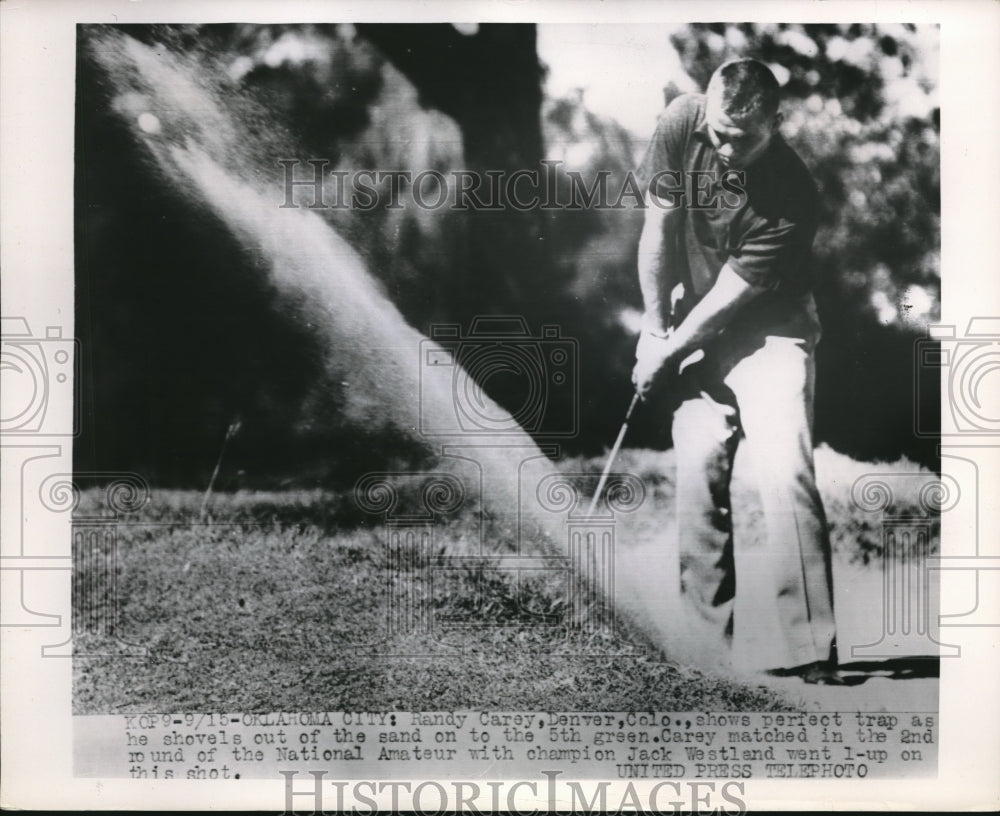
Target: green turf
x=277 y=601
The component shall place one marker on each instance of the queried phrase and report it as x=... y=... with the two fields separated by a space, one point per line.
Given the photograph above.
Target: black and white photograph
x=521 y=409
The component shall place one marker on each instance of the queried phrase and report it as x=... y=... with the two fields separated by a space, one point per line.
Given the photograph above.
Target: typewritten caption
x=623 y=745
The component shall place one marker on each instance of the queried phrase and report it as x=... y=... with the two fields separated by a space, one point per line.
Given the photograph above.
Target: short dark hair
x=748 y=88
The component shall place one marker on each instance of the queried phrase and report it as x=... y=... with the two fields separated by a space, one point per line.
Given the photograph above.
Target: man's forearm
x=657 y=275
x=710 y=315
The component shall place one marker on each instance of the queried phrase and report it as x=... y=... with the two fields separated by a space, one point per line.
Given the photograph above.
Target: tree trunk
x=490 y=84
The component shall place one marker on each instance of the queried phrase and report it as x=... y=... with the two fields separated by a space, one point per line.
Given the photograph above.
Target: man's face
x=739 y=143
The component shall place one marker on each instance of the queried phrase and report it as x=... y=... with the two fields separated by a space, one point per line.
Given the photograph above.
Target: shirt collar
x=701 y=130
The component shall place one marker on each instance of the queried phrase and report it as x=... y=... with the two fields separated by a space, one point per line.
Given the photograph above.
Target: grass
x=278 y=601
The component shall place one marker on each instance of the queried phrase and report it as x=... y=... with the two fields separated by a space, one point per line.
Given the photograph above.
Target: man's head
x=742 y=111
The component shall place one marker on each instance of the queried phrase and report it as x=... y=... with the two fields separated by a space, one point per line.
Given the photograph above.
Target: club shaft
x=611 y=456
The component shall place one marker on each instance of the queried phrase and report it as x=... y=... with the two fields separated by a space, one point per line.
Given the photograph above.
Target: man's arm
x=711 y=314
x=656 y=275
x=729 y=293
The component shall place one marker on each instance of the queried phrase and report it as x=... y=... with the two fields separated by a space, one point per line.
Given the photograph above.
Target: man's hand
x=655 y=354
x=652 y=359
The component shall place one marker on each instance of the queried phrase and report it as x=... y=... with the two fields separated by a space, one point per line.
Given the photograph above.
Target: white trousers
x=748 y=406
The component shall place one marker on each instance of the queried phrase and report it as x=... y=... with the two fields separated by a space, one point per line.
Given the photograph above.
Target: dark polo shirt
x=763 y=227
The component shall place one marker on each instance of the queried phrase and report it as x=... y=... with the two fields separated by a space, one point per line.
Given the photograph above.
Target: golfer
x=730 y=216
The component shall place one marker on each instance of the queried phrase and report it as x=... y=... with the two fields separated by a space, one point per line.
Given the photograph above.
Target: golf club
x=676 y=296
x=614 y=453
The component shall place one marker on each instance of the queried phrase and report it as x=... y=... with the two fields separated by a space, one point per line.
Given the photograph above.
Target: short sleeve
x=774 y=253
x=665 y=153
